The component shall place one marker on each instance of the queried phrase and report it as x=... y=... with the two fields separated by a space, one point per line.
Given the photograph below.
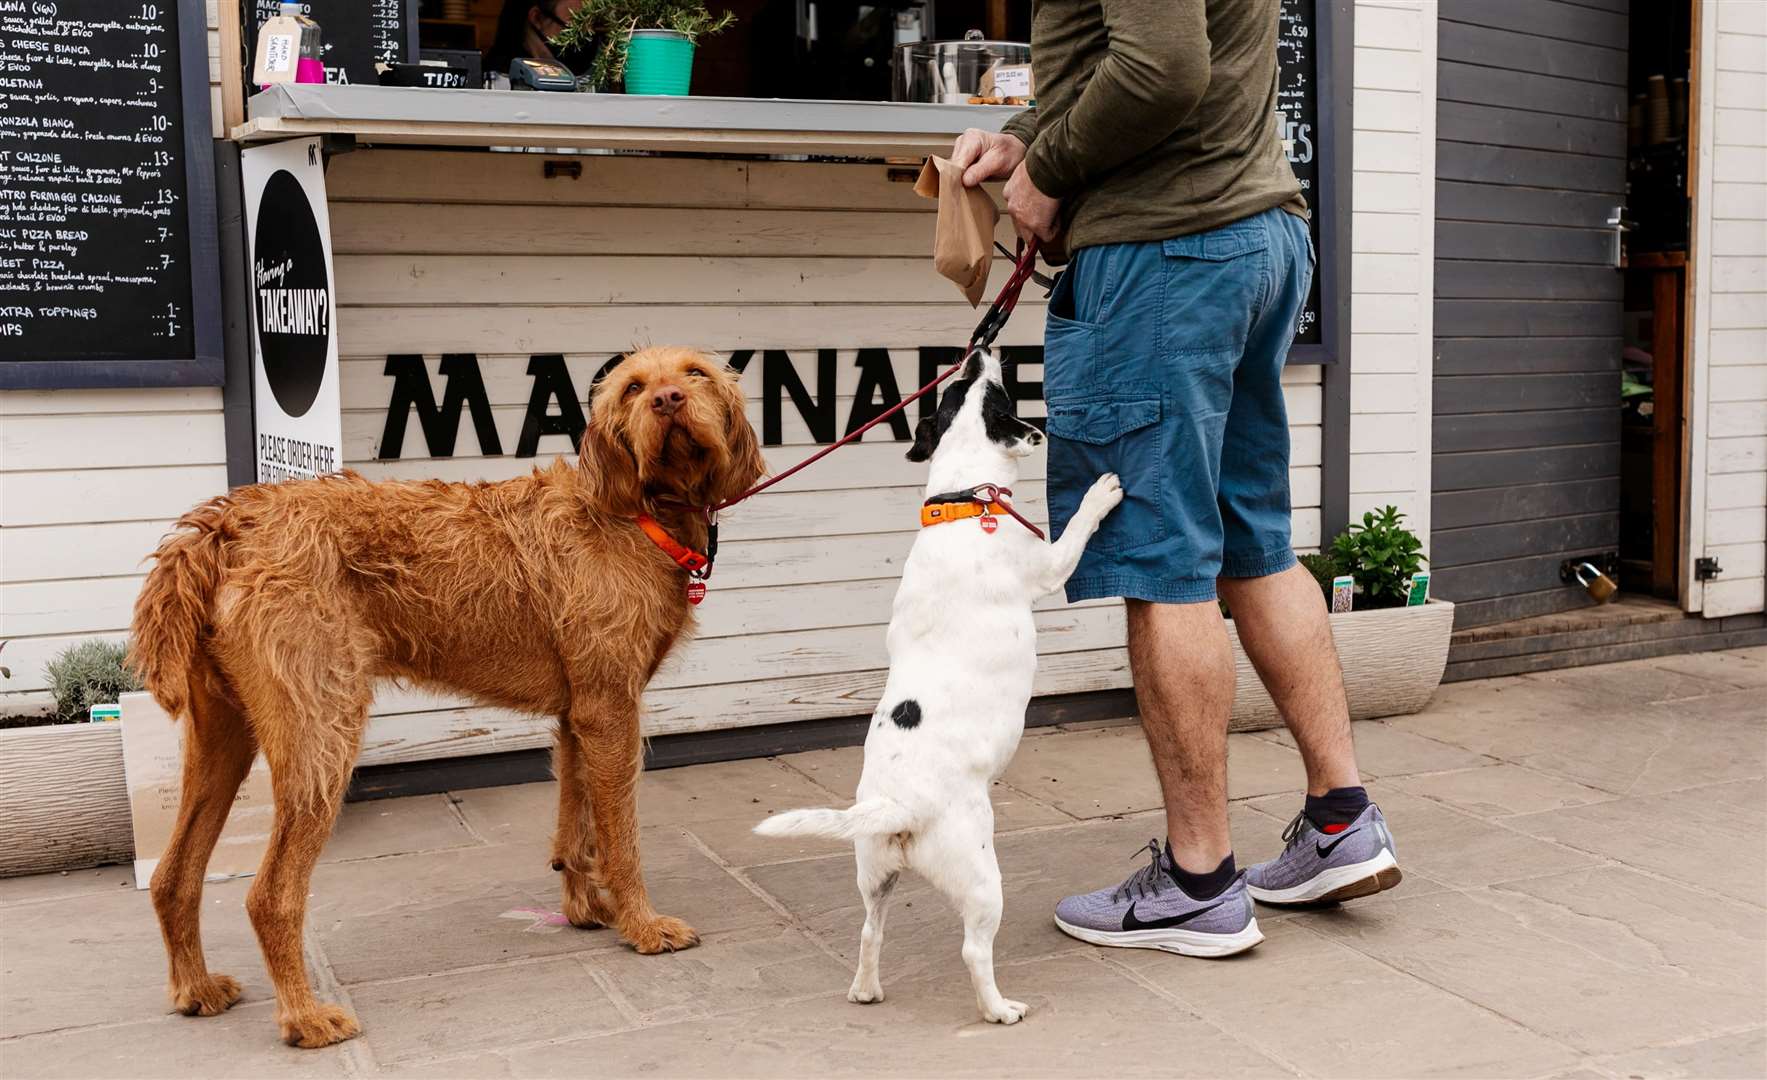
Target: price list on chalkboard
x=1297 y=100
x=354 y=35
x=94 y=237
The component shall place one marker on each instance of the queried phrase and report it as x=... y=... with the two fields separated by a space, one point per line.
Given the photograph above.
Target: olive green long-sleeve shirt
x=1155 y=118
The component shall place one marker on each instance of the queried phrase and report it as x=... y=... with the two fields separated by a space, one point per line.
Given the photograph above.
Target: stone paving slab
x=1585 y=896
x=1712 y=836
x=1334 y=1011
x=369 y=830
x=1500 y=790
x=1741 y=1056
x=1489 y=951
x=1085 y=1014
x=1383 y=750
x=1568 y=727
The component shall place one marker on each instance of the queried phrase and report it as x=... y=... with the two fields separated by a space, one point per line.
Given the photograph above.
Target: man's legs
x=1284 y=629
x=1183 y=670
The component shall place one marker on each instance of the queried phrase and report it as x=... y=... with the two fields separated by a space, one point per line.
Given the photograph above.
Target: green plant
x=1381 y=554
x=604 y=29
x=87 y=674
x=1323 y=565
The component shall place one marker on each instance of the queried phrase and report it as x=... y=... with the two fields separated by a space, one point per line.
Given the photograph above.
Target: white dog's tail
x=871 y=817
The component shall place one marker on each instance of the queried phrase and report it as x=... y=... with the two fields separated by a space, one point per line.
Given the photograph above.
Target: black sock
x=1202 y=886
x=1339 y=807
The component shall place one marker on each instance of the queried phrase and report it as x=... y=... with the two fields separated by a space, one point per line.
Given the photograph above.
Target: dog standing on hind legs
x=271 y=611
x=963 y=652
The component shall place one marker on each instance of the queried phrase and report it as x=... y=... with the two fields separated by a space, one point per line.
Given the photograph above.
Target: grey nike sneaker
x=1321 y=868
x=1150 y=911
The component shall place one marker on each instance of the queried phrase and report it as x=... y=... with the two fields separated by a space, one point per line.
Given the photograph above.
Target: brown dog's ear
x=609 y=471
x=742 y=463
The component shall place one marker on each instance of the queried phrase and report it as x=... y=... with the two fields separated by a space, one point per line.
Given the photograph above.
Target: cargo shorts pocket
x=1124 y=436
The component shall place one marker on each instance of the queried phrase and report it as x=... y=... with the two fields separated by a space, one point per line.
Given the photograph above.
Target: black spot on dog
x=928 y=432
x=999 y=416
x=1001 y=422
x=906 y=714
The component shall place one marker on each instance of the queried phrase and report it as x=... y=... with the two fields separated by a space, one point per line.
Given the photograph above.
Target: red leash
x=700 y=566
x=986 y=331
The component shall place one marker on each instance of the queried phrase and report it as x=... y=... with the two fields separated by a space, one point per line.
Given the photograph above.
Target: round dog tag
x=696 y=591
x=990 y=523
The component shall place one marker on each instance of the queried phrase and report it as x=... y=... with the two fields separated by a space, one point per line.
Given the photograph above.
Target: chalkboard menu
x=354 y=34
x=1297 y=99
x=107 y=224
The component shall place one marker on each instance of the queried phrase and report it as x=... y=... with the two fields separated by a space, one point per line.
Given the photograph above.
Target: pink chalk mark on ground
x=544 y=921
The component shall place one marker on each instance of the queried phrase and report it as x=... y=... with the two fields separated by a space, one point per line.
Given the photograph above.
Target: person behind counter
x=523 y=29
x=1153 y=157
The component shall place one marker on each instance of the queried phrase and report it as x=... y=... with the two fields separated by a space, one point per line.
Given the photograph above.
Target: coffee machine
x=841 y=48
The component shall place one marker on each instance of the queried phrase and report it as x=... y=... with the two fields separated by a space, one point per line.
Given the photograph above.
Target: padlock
x=1599 y=586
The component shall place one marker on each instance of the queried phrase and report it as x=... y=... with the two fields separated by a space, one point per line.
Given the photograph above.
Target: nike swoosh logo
x=1130 y=922
x=1327 y=849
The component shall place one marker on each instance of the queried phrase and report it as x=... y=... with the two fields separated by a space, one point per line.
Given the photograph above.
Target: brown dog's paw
x=319 y=1026
x=584 y=905
x=211 y=996
x=663 y=934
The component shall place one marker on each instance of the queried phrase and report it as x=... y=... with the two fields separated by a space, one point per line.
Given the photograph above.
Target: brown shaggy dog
x=272 y=610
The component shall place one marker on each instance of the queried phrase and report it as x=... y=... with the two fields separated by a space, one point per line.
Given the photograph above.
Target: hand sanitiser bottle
x=289 y=49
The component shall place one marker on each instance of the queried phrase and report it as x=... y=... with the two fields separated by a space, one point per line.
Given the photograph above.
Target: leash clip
x=1023 y=270
x=985 y=493
x=705 y=571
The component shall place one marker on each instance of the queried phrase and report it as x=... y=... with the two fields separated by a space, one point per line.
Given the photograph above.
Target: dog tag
x=990 y=523
x=696 y=591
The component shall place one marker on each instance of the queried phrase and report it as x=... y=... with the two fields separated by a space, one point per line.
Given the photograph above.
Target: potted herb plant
x=62 y=793
x=1392 y=653
x=646 y=44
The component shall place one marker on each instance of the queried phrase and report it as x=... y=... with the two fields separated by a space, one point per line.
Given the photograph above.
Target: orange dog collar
x=940 y=513
x=982 y=501
x=685 y=557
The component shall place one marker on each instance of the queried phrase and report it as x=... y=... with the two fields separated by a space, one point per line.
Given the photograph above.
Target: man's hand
x=1033 y=213
x=986 y=155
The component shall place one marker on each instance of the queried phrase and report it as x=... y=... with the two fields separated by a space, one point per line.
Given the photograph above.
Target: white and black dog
x=963 y=651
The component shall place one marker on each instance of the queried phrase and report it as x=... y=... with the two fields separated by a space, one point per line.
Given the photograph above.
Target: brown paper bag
x=963 y=243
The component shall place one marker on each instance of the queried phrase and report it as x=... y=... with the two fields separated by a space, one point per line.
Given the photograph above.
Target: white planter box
x=63 y=803
x=1392 y=658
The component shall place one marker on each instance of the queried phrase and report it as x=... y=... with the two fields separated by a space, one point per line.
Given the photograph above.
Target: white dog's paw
x=1006 y=1012
x=1105 y=494
x=865 y=995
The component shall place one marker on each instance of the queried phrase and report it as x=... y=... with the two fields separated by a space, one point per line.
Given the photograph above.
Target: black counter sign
x=108 y=271
x=292 y=294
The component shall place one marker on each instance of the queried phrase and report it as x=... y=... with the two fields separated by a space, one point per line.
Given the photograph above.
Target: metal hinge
x=1705 y=568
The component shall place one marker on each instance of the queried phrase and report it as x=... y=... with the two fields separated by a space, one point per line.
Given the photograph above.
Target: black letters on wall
x=555 y=408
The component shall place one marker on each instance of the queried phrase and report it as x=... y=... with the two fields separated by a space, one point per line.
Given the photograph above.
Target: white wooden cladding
x=1392 y=255
x=443 y=252
x=1728 y=417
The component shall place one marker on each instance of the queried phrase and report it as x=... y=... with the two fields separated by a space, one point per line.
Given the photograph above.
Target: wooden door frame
x=1696 y=317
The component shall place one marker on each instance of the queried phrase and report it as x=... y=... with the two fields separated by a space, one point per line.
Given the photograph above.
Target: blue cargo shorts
x=1162 y=363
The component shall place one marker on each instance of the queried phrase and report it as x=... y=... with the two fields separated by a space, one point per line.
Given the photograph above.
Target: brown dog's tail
x=173 y=607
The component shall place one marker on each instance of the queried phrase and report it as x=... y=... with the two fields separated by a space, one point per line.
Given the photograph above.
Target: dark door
x=1530 y=164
